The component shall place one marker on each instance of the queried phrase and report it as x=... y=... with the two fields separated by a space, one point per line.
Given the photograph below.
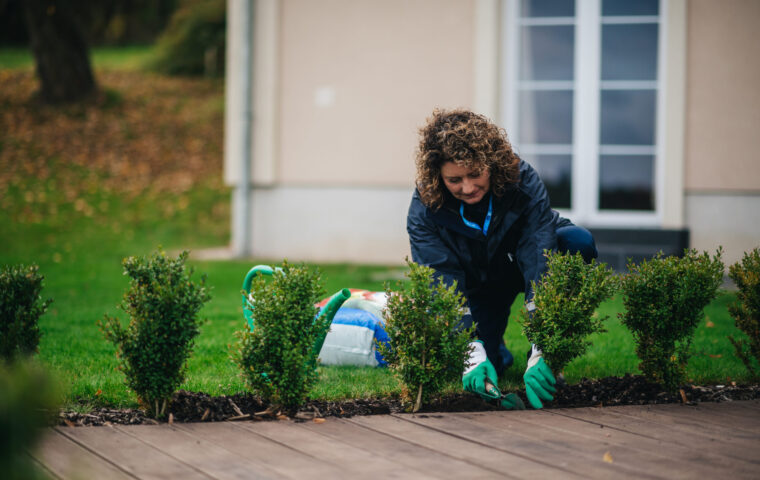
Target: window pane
x=628 y=117
x=547 y=52
x=626 y=182
x=629 y=7
x=556 y=173
x=548 y=8
x=546 y=116
x=629 y=52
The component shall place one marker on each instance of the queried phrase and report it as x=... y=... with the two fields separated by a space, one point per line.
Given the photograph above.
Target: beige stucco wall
x=358 y=77
x=723 y=96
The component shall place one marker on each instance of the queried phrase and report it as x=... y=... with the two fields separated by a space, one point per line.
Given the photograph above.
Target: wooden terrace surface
x=711 y=440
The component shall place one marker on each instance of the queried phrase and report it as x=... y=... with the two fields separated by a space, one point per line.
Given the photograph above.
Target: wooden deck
x=663 y=441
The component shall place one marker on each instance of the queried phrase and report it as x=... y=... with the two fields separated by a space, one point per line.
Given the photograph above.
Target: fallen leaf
x=719 y=355
x=607 y=457
x=683 y=396
x=709 y=324
x=171 y=419
x=319 y=420
x=99 y=393
x=283 y=417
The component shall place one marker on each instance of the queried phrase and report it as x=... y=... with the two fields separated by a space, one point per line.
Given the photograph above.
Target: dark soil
x=610 y=391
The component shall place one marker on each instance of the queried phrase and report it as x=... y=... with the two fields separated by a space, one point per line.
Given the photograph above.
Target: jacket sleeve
x=538 y=233
x=430 y=250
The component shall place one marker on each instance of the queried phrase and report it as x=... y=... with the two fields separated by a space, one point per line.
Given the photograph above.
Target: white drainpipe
x=239 y=36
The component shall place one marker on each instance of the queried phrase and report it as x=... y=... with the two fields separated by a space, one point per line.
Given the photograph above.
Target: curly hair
x=469 y=140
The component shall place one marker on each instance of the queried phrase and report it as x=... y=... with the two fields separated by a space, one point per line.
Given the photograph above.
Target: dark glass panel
x=626 y=182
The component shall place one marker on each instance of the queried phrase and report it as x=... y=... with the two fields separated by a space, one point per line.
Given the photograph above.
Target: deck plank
x=283 y=459
x=739 y=408
x=419 y=460
x=354 y=459
x=656 y=441
x=193 y=449
x=130 y=454
x=727 y=415
x=509 y=465
x=694 y=423
x=681 y=461
x=692 y=432
x=519 y=440
x=638 y=455
x=68 y=460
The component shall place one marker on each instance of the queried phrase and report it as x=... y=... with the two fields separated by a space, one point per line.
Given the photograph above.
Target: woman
x=480 y=217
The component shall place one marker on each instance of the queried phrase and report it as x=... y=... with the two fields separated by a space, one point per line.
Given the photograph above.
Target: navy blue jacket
x=522 y=227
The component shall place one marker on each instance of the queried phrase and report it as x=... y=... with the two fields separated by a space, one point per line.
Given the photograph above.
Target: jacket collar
x=506 y=210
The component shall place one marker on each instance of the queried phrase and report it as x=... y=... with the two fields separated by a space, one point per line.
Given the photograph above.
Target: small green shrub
x=163 y=304
x=566 y=299
x=664 y=299
x=194 y=41
x=424 y=350
x=746 y=312
x=278 y=359
x=20 y=309
x=28 y=402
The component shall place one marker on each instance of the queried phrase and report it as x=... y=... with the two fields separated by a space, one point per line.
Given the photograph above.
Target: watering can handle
x=329 y=310
x=258 y=269
x=247 y=301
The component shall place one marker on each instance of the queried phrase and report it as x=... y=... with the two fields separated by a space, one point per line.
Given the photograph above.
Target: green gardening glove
x=539 y=381
x=479 y=376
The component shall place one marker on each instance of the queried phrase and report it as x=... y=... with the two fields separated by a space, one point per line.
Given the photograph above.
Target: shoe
x=505 y=357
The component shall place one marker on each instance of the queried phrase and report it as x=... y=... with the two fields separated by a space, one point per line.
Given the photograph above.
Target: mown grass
x=124 y=58
x=83 y=187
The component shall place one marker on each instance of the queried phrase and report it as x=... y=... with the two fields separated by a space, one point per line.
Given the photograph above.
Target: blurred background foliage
x=188 y=35
x=107 y=22
x=194 y=41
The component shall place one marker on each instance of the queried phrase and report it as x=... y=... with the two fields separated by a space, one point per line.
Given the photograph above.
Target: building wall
x=723 y=96
x=728 y=220
x=358 y=77
x=722 y=171
x=346 y=84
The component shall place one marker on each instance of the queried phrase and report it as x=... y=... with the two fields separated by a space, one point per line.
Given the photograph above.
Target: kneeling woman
x=480 y=216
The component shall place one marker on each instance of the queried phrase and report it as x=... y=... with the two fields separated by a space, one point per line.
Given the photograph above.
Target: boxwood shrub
x=424 y=349
x=163 y=304
x=20 y=309
x=746 y=312
x=664 y=301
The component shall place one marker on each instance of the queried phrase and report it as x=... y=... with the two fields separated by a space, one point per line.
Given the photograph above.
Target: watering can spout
x=329 y=311
x=334 y=303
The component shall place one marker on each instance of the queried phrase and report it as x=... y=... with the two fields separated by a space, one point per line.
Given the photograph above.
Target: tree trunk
x=58 y=41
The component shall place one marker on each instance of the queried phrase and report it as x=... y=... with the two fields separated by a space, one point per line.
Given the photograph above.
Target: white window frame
x=586 y=87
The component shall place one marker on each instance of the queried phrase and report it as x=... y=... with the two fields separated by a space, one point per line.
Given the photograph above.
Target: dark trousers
x=490 y=308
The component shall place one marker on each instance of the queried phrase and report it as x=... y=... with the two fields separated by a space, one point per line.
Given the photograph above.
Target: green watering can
x=329 y=310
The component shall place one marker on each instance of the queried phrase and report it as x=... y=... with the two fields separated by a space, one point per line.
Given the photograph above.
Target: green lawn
x=81 y=258
x=103 y=58
x=77 y=216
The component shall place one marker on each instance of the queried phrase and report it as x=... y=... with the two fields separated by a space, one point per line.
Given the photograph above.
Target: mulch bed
x=610 y=391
